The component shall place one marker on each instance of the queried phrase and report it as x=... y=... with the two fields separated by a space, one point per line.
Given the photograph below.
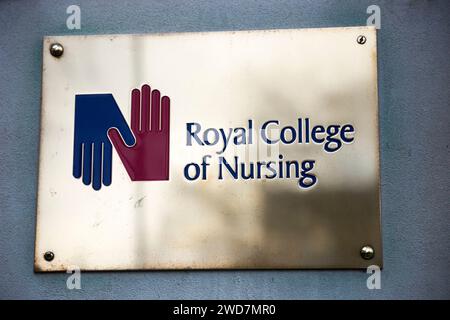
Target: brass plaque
x=215 y=150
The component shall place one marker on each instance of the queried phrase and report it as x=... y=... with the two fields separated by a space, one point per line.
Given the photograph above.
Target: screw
x=56 y=50
x=49 y=256
x=361 y=39
x=367 y=252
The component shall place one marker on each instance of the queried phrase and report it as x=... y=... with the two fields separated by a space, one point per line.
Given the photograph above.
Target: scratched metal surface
x=413 y=78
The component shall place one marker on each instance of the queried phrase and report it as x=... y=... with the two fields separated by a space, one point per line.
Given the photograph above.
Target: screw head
x=361 y=39
x=367 y=252
x=56 y=50
x=49 y=256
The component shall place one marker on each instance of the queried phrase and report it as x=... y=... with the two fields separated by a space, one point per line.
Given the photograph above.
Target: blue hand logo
x=95 y=114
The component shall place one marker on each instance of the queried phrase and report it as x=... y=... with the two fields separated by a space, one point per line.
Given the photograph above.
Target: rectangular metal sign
x=215 y=150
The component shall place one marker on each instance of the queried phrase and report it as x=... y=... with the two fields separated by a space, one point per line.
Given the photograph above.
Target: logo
x=143 y=148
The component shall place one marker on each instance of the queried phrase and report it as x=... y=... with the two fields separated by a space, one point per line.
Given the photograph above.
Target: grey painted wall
x=414 y=82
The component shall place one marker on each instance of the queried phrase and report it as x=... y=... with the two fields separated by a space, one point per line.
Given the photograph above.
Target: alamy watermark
x=374 y=280
x=74 y=280
x=73 y=21
x=375 y=16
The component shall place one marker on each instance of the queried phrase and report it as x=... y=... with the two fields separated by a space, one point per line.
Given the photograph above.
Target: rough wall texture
x=414 y=82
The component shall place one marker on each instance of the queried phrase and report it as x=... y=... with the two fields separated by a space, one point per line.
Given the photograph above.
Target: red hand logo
x=148 y=158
